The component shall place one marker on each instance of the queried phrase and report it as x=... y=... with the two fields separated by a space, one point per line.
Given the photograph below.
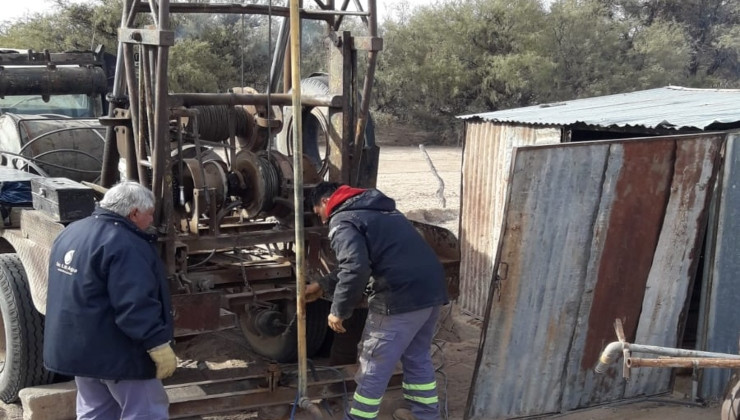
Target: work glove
x=165 y=360
x=313 y=292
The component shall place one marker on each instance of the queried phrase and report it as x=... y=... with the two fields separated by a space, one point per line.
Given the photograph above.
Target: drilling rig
x=222 y=169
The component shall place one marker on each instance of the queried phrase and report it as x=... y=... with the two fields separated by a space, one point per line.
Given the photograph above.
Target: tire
x=315 y=126
x=21 y=333
x=283 y=346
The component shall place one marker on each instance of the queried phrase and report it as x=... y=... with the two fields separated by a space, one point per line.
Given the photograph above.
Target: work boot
x=403 y=414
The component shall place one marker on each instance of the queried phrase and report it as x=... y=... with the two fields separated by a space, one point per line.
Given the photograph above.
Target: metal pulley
x=262 y=123
x=265 y=182
x=259 y=183
x=202 y=186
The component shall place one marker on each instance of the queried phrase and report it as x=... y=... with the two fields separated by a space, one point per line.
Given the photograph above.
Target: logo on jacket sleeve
x=66 y=266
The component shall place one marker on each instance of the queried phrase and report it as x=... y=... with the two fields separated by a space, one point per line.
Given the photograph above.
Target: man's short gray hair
x=127 y=196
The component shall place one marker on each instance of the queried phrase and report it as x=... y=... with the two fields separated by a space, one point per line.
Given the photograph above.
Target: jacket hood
x=370 y=199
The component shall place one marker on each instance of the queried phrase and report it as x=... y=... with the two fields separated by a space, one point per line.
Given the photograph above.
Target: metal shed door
x=592 y=232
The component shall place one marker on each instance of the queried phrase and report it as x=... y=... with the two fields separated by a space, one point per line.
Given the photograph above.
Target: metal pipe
x=608 y=356
x=612 y=351
x=132 y=87
x=669 y=351
x=287 y=81
x=111 y=153
x=146 y=63
x=684 y=362
x=278 y=58
x=45 y=81
x=295 y=49
x=280 y=99
x=161 y=120
x=372 y=58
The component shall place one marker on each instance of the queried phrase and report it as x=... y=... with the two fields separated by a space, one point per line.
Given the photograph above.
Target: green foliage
x=458 y=57
x=195 y=67
x=449 y=57
x=72 y=26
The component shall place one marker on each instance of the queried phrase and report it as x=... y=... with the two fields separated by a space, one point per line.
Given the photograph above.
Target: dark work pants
x=388 y=339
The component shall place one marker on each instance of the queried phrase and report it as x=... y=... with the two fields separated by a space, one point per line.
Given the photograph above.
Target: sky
x=15 y=9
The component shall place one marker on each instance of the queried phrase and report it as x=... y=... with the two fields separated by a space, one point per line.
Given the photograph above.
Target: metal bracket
x=147 y=37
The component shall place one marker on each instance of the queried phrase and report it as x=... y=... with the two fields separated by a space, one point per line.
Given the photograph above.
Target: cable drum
x=261 y=183
x=213 y=122
x=272 y=182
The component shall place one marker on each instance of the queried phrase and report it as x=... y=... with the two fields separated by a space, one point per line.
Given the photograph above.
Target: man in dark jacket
x=380 y=253
x=108 y=312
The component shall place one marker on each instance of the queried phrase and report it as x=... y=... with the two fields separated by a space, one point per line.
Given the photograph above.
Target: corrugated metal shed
x=672 y=107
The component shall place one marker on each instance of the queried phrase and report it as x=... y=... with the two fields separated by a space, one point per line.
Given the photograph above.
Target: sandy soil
x=406 y=176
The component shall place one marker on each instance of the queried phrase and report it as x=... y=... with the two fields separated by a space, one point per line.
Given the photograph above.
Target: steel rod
x=295 y=49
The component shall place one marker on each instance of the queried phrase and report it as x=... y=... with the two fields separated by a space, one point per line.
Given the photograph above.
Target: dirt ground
x=406 y=176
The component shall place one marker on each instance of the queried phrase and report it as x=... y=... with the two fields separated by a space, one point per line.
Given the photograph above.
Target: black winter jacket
x=380 y=252
x=108 y=300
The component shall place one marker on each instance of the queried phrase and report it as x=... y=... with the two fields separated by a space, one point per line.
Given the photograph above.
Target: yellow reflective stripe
x=423 y=400
x=363 y=414
x=367 y=401
x=420 y=387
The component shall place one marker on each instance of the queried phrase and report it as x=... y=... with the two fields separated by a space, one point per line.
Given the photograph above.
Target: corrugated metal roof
x=667 y=107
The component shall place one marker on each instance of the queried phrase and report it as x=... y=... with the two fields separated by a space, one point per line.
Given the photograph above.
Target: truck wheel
x=272 y=333
x=21 y=332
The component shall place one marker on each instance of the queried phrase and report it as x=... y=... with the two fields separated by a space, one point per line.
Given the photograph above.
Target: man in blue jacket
x=108 y=320
x=380 y=253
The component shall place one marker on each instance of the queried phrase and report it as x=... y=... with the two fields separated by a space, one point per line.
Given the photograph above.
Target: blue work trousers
x=99 y=399
x=386 y=340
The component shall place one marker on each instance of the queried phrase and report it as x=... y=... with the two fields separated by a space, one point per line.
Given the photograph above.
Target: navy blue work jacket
x=108 y=300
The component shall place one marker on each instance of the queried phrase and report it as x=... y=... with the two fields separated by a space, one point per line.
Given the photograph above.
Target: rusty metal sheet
x=625 y=234
x=553 y=201
x=485 y=173
x=676 y=257
x=586 y=228
x=719 y=320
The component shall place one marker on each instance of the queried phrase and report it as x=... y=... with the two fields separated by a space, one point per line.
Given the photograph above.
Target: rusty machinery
x=221 y=168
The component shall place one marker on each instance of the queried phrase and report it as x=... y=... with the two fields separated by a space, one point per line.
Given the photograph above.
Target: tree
x=72 y=26
x=710 y=27
x=462 y=56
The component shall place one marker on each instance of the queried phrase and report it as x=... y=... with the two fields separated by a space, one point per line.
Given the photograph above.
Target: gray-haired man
x=108 y=320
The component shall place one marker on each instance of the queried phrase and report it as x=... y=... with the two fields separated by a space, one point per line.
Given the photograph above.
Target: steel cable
x=213 y=122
